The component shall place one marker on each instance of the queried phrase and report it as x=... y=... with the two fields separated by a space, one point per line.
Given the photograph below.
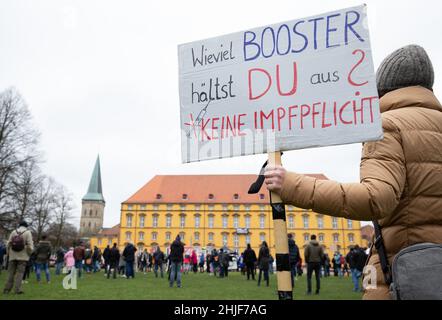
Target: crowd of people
x=23 y=258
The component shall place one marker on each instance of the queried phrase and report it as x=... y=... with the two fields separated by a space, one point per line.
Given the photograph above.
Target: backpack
x=415 y=272
x=18 y=242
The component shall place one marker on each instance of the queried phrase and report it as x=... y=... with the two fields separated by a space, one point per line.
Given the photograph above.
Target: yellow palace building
x=210 y=211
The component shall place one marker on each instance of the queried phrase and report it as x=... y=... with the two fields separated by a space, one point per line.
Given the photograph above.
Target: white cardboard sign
x=298 y=84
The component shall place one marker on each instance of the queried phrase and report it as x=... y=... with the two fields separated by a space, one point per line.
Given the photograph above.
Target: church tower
x=92 y=205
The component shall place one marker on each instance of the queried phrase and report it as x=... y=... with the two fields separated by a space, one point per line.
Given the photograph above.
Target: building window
x=320 y=222
x=225 y=207
x=224 y=218
x=154 y=236
x=90 y=212
x=168 y=221
x=197 y=221
x=306 y=237
x=211 y=207
x=182 y=221
x=169 y=206
x=129 y=221
x=155 y=207
x=143 y=207
x=262 y=196
x=155 y=221
x=247 y=239
x=351 y=237
x=247 y=222
x=142 y=219
x=225 y=239
x=109 y=241
x=262 y=221
x=236 y=222
x=141 y=236
x=182 y=234
x=197 y=236
x=96 y=212
x=236 y=196
x=183 y=207
x=128 y=235
x=129 y=207
x=211 y=196
x=236 y=241
x=262 y=207
x=236 y=207
x=305 y=221
x=99 y=242
x=335 y=237
x=210 y=236
x=321 y=237
x=158 y=196
x=291 y=222
x=262 y=237
x=334 y=223
x=185 y=196
x=247 y=207
x=168 y=236
x=197 y=207
x=211 y=219
x=350 y=224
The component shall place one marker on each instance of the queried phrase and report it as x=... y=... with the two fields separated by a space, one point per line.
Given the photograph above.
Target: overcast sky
x=102 y=77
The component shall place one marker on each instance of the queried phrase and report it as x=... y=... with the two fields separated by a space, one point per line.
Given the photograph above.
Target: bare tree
x=18 y=143
x=43 y=204
x=62 y=212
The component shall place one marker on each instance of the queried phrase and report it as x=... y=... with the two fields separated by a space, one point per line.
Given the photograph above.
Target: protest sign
x=298 y=84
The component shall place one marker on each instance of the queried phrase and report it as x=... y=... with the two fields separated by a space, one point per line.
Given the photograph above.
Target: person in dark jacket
x=79 y=253
x=2 y=254
x=293 y=258
x=356 y=258
x=313 y=255
x=129 y=258
x=176 y=261
x=59 y=262
x=263 y=262
x=113 y=260
x=159 y=260
x=224 y=259
x=96 y=259
x=106 y=256
x=250 y=260
x=42 y=255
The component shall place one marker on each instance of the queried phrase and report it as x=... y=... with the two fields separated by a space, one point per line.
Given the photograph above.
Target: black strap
x=256 y=186
x=379 y=245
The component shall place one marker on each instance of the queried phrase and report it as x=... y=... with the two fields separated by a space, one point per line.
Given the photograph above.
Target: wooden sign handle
x=283 y=273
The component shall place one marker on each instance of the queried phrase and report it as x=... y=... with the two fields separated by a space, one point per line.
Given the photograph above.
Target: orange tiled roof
x=198 y=188
x=114 y=231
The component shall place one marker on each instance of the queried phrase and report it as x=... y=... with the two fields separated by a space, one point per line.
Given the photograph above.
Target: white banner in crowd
x=292 y=85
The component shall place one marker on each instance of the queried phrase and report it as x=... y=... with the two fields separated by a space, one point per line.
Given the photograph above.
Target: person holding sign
x=400 y=176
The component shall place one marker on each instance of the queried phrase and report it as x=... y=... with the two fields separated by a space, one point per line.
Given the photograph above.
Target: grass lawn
x=195 y=287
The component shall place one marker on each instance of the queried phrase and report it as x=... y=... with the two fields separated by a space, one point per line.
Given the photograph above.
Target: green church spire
x=95 y=192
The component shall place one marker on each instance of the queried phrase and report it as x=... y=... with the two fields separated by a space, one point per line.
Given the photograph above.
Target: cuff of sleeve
x=298 y=189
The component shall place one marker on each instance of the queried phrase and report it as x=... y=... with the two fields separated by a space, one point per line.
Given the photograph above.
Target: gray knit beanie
x=405 y=67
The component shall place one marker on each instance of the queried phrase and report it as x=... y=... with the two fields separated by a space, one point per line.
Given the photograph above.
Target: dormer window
x=211 y=196
x=159 y=196
x=236 y=196
x=261 y=196
x=185 y=196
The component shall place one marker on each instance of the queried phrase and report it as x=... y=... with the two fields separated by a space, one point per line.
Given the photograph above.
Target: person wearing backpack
x=19 y=248
x=42 y=255
x=400 y=181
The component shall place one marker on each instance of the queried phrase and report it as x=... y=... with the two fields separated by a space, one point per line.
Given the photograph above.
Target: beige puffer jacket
x=401 y=179
x=29 y=245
